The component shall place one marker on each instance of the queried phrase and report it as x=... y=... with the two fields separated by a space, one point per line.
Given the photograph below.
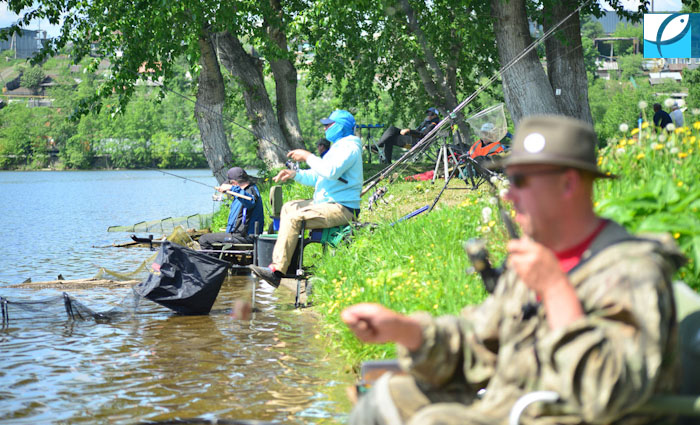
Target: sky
x=8 y=18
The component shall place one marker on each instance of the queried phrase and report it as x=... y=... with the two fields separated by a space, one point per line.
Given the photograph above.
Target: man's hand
x=298 y=155
x=284 y=175
x=224 y=187
x=405 y=131
x=535 y=264
x=539 y=269
x=377 y=324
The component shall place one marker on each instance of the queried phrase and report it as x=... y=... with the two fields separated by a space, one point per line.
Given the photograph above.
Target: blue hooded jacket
x=343 y=160
x=245 y=214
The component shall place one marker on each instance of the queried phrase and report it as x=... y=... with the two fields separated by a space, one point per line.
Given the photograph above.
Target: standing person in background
x=322 y=146
x=245 y=217
x=405 y=137
x=583 y=309
x=337 y=180
x=661 y=117
x=677 y=115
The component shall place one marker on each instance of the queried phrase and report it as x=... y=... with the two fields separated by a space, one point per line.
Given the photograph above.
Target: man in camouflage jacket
x=584 y=309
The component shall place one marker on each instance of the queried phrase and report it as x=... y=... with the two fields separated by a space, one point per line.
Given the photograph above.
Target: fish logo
x=667 y=35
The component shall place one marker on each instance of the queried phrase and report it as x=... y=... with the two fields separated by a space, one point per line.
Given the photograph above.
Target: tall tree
x=422 y=53
x=525 y=84
x=138 y=35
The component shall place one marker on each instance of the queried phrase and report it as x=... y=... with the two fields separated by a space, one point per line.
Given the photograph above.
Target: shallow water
x=151 y=365
x=154 y=365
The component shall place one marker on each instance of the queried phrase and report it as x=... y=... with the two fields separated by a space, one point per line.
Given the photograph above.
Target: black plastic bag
x=188 y=281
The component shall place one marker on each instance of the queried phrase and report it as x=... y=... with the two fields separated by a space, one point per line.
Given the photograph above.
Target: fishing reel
x=479 y=257
x=292 y=165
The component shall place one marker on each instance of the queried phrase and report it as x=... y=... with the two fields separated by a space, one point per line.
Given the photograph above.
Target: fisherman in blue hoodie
x=245 y=218
x=337 y=179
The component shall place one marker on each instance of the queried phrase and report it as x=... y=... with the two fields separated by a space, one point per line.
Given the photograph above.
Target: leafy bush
x=32 y=78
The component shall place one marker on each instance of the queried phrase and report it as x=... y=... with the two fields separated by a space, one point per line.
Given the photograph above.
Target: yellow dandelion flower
x=645 y=124
x=682 y=155
x=631 y=141
x=640 y=155
x=679 y=130
x=634 y=131
x=676 y=235
x=435 y=307
x=679 y=184
x=696 y=125
x=600 y=160
x=492 y=223
x=658 y=147
x=596 y=203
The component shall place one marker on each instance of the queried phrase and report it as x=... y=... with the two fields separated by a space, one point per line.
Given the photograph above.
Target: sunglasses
x=519 y=180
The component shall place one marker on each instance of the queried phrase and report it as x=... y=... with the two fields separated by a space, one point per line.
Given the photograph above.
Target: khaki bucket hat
x=555 y=140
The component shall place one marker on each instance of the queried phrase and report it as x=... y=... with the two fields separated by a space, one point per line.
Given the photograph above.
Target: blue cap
x=344 y=117
x=433 y=110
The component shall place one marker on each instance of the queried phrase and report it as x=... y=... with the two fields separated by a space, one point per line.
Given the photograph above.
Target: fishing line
x=428 y=137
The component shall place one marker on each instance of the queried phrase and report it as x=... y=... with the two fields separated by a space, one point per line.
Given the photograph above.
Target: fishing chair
x=332 y=237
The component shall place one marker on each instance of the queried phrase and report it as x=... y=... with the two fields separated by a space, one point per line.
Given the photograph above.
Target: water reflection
x=157 y=366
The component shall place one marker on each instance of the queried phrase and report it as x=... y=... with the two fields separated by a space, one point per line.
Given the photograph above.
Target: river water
x=151 y=365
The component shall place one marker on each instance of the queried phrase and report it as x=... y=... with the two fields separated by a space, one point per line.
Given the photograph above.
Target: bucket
x=264 y=244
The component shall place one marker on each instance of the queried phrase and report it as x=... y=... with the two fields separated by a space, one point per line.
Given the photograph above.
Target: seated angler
x=394 y=136
x=583 y=309
x=337 y=179
x=246 y=216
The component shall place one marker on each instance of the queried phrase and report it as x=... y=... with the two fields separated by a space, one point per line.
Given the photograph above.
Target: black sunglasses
x=519 y=180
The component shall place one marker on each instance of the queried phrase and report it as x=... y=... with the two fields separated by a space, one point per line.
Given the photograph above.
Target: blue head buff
x=343 y=125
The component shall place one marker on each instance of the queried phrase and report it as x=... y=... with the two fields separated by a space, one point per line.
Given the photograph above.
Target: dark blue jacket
x=244 y=213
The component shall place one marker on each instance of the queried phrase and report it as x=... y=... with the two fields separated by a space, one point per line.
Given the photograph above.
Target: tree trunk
x=525 y=85
x=446 y=92
x=285 y=75
x=208 y=110
x=565 y=67
x=272 y=146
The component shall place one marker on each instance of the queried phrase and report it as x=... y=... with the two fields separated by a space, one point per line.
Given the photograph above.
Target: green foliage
x=657 y=190
x=23 y=136
x=32 y=78
x=626 y=47
x=364 y=51
x=691 y=79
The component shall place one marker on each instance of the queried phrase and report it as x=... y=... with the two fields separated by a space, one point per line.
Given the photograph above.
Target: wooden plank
x=75 y=284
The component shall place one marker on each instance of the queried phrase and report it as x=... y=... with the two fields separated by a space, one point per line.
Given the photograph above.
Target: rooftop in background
x=610 y=19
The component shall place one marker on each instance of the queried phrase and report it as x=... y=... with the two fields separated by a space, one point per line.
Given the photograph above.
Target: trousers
x=317 y=216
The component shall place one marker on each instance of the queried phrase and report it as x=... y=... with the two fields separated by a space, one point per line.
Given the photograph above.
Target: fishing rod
x=228 y=192
x=428 y=138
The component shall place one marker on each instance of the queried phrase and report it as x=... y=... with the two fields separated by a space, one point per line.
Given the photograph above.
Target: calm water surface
x=151 y=365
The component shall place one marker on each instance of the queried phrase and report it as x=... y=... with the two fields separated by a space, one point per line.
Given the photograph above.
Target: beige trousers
x=317 y=216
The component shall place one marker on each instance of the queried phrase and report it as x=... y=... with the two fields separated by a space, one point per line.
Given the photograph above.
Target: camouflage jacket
x=602 y=365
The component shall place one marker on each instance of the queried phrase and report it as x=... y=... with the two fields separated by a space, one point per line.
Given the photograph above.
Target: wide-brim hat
x=554 y=140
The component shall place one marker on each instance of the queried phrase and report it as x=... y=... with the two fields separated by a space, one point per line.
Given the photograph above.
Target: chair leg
x=300 y=270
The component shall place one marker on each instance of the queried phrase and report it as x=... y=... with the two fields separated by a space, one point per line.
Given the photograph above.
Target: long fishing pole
x=228 y=192
x=428 y=137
